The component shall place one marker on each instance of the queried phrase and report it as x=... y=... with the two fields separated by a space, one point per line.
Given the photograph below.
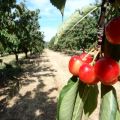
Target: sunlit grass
x=10 y=58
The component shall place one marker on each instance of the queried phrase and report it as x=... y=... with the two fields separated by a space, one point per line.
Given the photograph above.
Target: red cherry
x=74 y=65
x=107 y=70
x=112 y=31
x=87 y=74
x=86 y=58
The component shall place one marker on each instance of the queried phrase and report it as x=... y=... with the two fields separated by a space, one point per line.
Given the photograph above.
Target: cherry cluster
x=105 y=69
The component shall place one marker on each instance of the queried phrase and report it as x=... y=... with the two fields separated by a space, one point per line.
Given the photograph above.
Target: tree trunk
x=16 y=57
x=26 y=55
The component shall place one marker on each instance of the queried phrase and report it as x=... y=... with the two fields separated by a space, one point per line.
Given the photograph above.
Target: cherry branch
x=101 y=24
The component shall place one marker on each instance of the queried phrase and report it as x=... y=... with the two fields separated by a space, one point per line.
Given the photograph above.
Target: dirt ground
x=39 y=86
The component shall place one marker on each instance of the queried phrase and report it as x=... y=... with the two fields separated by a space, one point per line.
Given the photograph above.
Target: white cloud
x=49 y=32
x=45 y=6
x=38 y=3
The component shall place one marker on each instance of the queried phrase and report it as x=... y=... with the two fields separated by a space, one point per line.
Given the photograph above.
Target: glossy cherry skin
x=112 y=31
x=87 y=74
x=86 y=58
x=74 y=65
x=107 y=70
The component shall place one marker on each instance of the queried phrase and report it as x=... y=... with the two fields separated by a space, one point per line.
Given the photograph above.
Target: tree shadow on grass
x=35 y=104
x=9 y=83
x=8 y=75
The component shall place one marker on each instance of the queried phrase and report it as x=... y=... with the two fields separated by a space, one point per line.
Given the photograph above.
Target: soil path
x=39 y=86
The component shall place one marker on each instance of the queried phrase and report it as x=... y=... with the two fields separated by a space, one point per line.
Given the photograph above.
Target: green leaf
x=59 y=4
x=118 y=115
x=67 y=99
x=72 y=99
x=91 y=102
x=82 y=94
x=109 y=105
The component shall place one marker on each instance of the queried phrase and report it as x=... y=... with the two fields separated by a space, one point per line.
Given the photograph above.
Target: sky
x=50 y=16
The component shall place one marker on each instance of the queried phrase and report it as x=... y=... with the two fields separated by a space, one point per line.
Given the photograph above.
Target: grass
x=9 y=72
x=11 y=58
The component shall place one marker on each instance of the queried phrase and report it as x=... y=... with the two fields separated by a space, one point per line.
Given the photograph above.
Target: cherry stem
x=96 y=54
x=88 y=53
x=101 y=24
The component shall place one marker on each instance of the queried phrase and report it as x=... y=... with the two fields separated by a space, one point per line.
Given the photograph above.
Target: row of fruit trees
x=19 y=29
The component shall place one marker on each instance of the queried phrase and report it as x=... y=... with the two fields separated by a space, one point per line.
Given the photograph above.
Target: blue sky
x=51 y=18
